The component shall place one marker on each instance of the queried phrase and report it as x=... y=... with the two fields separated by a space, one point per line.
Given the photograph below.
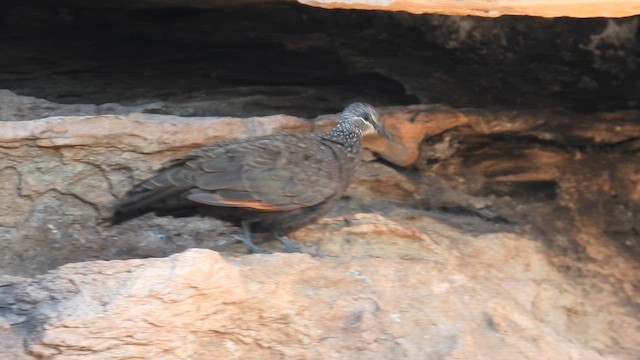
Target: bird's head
x=365 y=118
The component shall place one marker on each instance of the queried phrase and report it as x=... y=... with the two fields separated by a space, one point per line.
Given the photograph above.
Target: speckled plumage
x=276 y=183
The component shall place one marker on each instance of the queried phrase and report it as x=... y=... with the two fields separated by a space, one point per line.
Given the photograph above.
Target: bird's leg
x=246 y=239
x=289 y=245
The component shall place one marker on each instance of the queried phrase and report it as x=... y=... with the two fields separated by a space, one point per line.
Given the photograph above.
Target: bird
x=273 y=183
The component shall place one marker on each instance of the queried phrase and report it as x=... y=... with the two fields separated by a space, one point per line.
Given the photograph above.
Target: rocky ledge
x=404 y=287
x=472 y=234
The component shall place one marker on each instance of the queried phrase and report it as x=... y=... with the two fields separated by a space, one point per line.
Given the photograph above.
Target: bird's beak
x=382 y=130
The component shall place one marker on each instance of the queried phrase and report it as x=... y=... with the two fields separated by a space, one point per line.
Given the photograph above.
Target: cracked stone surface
x=400 y=286
x=493 y=8
x=488 y=8
x=60 y=175
x=479 y=235
x=262 y=59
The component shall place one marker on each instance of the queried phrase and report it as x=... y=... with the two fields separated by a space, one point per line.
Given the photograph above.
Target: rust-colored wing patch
x=216 y=200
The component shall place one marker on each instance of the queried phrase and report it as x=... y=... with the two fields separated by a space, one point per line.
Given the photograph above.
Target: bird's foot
x=289 y=245
x=251 y=247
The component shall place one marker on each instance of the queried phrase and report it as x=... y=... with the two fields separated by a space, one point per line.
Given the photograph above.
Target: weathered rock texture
x=490 y=8
x=573 y=177
x=409 y=288
x=493 y=8
x=264 y=59
x=387 y=278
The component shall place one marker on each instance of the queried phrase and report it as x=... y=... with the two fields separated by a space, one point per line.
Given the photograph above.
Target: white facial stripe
x=368 y=128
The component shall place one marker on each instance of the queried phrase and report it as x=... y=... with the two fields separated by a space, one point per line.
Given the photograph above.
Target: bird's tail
x=138 y=203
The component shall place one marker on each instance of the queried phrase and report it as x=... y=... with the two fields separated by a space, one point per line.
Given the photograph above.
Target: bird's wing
x=178 y=174
x=272 y=174
x=161 y=190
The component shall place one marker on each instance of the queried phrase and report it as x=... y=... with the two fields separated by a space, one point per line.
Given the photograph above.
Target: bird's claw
x=251 y=247
x=289 y=246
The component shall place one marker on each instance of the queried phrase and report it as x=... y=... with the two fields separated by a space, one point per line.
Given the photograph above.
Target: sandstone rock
x=134 y=131
x=530 y=251
x=410 y=125
x=404 y=286
x=375 y=182
x=261 y=60
x=384 y=278
x=546 y=8
x=60 y=175
x=14 y=107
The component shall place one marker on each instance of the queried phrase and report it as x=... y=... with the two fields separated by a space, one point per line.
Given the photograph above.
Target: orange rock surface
x=493 y=8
